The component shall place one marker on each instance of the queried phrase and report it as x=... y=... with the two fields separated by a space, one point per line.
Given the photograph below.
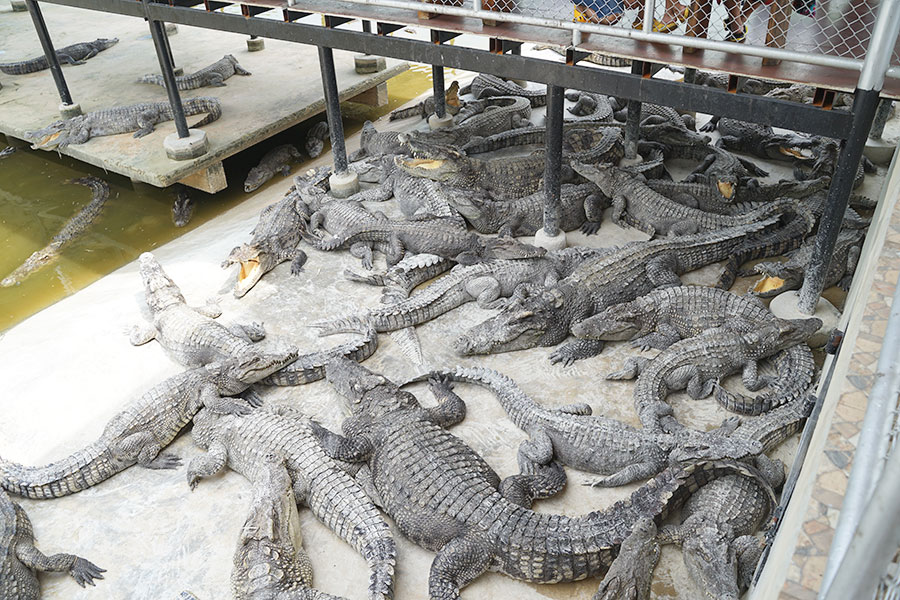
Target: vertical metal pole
x=169 y=47
x=49 y=52
x=633 y=121
x=553 y=159
x=158 y=33
x=367 y=26
x=440 y=105
x=333 y=109
x=649 y=9
x=690 y=75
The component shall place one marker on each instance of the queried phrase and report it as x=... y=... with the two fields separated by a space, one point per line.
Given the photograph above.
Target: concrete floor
x=289 y=74
x=70 y=368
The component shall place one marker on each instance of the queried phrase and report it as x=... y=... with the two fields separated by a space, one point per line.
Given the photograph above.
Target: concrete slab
x=292 y=84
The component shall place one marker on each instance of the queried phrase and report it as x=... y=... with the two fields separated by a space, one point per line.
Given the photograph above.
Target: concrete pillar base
x=630 y=162
x=785 y=306
x=69 y=110
x=879 y=151
x=436 y=122
x=194 y=145
x=18 y=5
x=542 y=240
x=171 y=29
x=365 y=63
x=343 y=185
x=256 y=45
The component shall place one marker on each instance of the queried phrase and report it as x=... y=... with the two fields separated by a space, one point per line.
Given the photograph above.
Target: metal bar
x=440 y=105
x=867 y=460
x=367 y=26
x=169 y=47
x=333 y=109
x=649 y=11
x=158 y=33
x=633 y=121
x=864 y=105
x=881 y=46
x=553 y=159
x=47 y=44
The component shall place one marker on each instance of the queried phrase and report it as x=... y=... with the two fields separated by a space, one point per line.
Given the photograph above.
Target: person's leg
x=601 y=12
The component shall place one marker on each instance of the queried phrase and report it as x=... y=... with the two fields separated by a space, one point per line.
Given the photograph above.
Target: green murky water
x=35 y=202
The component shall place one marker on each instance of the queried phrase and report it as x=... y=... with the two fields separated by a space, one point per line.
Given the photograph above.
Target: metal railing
x=835 y=34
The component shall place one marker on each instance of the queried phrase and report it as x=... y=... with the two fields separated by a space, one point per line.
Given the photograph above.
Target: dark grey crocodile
x=308 y=451
x=597 y=444
x=486 y=85
x=636 y=204
x=315 y=139
x=464 y=517
x=182 y=206
x=270 y=559
x=702 y=196
x=654 y=113
x=189 y=335
x=138 y=434
x=415 y=194
x=7 y=151
x=762 y=141
x=718 y=167
x=213 y=75
x=591 y=106
x=76 y=54
x=276 y=160
x=73 y=228
x=374 y=143
x=826 y=152
x=781 y=277
x=622 y=275
x=275 y=239
x=481 y=118
x=817 y=202
x=696 y=363
x=425 y=108
x=140 y=118
x=605 y=60
x=20 y=560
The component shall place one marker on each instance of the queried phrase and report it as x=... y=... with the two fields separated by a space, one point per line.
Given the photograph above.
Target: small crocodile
x=414 y=194
x=73 y=228
x=76 y=54
x=20 y=560
x=374 y=143
x=140 y=118
x=138 y=434
x=719 y=167
x=590 y=106
x=696 y=363
x=276 y=160
x=636 y=204
x=425 y=108
x=315 y=139
x=7 y=151
x=212 y=76
x=486 y=85
x=780 y=277
x=182 y=206
x=308 y=452
x=761 y=140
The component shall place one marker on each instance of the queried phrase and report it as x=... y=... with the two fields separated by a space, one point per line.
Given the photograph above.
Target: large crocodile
x=718 y=167
x=140 y=118
x=138 y=434
x=481 y=118
x=485 y=85
x=597 y=444
x=213 y=75
x=762 y=141
x=20 y=560
x=276 y=160
x=414 y=194
x=445 y=498
x=73 y=228
x=76 y=54
x=622 y=275
x=425 y=108
x=374 y=143
x=320 y=481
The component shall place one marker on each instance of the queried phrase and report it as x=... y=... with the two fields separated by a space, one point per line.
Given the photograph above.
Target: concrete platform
x=285 y=89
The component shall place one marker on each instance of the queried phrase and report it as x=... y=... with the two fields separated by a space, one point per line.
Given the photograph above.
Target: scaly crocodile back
x=77 y=472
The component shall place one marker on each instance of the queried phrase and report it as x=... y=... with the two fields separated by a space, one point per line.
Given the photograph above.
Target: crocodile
x=604 y=60
x=138 y=434
x=414 y=194
x=20 y=560
x=182 y=206
x=189 y=335
x=73 y=228
x=374 y=143
x=213 y=75
x=631 y=573
x=800 y=92
x=576 y=438
x=668 y=315
x=696 y=363
x=486 y=85
x=827 y=151
x=781 y=277
x=719 y=167
x=465 y=518
x=140 y=118
x=319 y=481
x=591 y=106
x=817 y=202
x=270 y=559
x=636 y=204
x=425 y=108
x=761 y=140
x=406 y=275
x=748 y=85
x=276 y=160
x=654 y=113
x=315 y=139
x=275 y=239
x=581 y=206
x=76 y=54
x=7 y=151
x=481 y=118
x=622 y=275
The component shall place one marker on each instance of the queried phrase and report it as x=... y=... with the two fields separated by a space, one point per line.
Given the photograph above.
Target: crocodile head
x=438 y=162
x=778 y=277
x=255 y=366
x=182 y=208
x=608 y=178
x=671 y=134
x=53 y=135
x=161 y=291
x=254 y=261
x=711 y=560
x=256 y=177
x=713 y=446
x=535 y=321
x=104 y=43
x=789 y=146
x=617 y=323
x=783 y=333
x=369 y=393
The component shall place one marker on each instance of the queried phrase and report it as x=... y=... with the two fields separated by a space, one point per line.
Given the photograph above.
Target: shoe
x=660 y=27
x=736 y=37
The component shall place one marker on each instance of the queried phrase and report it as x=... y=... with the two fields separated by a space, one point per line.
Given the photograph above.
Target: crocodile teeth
x=767 y=284
x=424 y=163
x=248 y=268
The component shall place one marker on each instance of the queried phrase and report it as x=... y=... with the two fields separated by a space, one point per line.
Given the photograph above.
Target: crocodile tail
x=151 y=78
x=376 y=279
x=407 y=113
x=206 y=104
x=25 y=66
x=311 y=367
x=75 y=473
x=352 y=324
x=380 y=554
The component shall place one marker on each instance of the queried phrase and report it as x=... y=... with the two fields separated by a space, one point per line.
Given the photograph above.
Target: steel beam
x=333 y=109
x=553 y=160
x=633 y=121
x=158 y=33
x=47 y=44
x=440 y=104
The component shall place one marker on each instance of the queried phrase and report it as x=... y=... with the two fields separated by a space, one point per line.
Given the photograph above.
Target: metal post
x=865 y=103
x=881 y=117
x=44 y=36
x=440 y=105
x=553 y=159
x=690 y=75
x=633 y=121
x=367 y=26
x=169 y=47
x=333 y=109
x=158 y=33
x=649 y=10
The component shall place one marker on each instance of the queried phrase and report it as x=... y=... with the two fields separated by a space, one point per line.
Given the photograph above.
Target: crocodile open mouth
x=768 y=284
x=424 y=163
x=50 y=138
x=725 y=188
x=248 y=269
x=806 y=155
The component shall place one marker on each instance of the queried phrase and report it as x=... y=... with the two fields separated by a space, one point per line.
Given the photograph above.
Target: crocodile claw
x=590 y=227
x=166 y=460
x=84 y=571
